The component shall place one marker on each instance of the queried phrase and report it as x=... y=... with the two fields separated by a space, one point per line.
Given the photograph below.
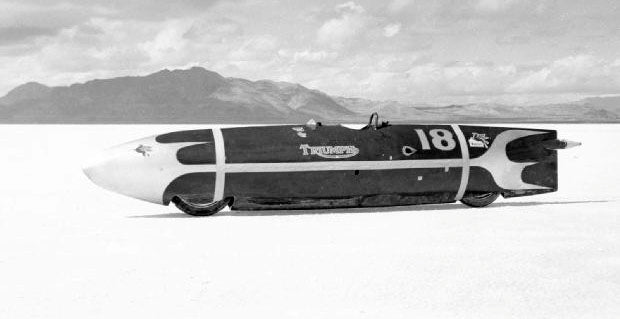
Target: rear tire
x=479 y=200
x=200 y=209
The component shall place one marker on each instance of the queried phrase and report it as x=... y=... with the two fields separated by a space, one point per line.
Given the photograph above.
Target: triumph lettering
x=340 y=151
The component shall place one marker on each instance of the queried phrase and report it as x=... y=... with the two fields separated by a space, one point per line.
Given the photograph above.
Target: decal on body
x=300 y=131
x=145 y=150
x=408 y=150
x=341 y=151
x=479 y=140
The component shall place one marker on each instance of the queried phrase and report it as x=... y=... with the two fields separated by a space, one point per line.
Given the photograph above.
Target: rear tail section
x=542 y=170
x=513 y=161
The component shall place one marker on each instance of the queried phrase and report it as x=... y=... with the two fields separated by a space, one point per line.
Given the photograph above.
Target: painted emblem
x=343 y=151
x=408 y=150
x=145 y=150
x=300 y=131
x=478 y=140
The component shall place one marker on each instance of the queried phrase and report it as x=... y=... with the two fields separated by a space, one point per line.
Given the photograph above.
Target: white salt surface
x=69 y=249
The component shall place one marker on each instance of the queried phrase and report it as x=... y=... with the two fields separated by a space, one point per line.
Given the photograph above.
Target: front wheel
x=479 y=200
x=200 y=209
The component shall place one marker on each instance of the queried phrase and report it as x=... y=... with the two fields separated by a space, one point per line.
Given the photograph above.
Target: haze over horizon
x=440 y=52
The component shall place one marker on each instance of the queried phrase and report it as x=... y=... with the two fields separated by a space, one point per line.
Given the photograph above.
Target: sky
x=435 y=52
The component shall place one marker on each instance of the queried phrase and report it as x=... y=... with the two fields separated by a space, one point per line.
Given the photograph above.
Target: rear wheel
x=200 y=209
x=479 y=200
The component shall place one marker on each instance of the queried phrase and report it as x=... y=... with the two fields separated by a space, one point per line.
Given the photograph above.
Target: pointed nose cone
x=128 y=169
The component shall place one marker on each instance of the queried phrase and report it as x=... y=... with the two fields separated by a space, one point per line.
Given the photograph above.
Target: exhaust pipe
x=560 y=144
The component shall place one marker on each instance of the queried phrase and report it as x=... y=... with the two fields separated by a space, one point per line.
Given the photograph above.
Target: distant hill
x=590 y=110
x=180 y=96
x=197 y=95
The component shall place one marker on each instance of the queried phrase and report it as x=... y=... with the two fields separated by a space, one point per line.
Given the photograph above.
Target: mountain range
x=198 y=95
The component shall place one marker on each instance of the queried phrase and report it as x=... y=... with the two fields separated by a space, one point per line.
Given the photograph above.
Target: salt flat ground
x=69 y=249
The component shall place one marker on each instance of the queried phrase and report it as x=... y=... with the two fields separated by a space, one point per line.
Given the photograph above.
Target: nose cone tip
x=88 y=170
x=121 y=169
x=89 y=166
x=93 y=172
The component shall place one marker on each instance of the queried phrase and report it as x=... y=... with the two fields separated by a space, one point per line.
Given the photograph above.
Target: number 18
x=442 y=139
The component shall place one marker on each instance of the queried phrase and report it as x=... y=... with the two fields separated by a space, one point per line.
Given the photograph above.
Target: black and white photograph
x=309 y=159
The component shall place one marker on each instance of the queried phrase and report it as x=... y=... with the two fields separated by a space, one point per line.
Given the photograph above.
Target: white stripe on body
x=465 y=162
x=220 y=161
x=340 y=165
